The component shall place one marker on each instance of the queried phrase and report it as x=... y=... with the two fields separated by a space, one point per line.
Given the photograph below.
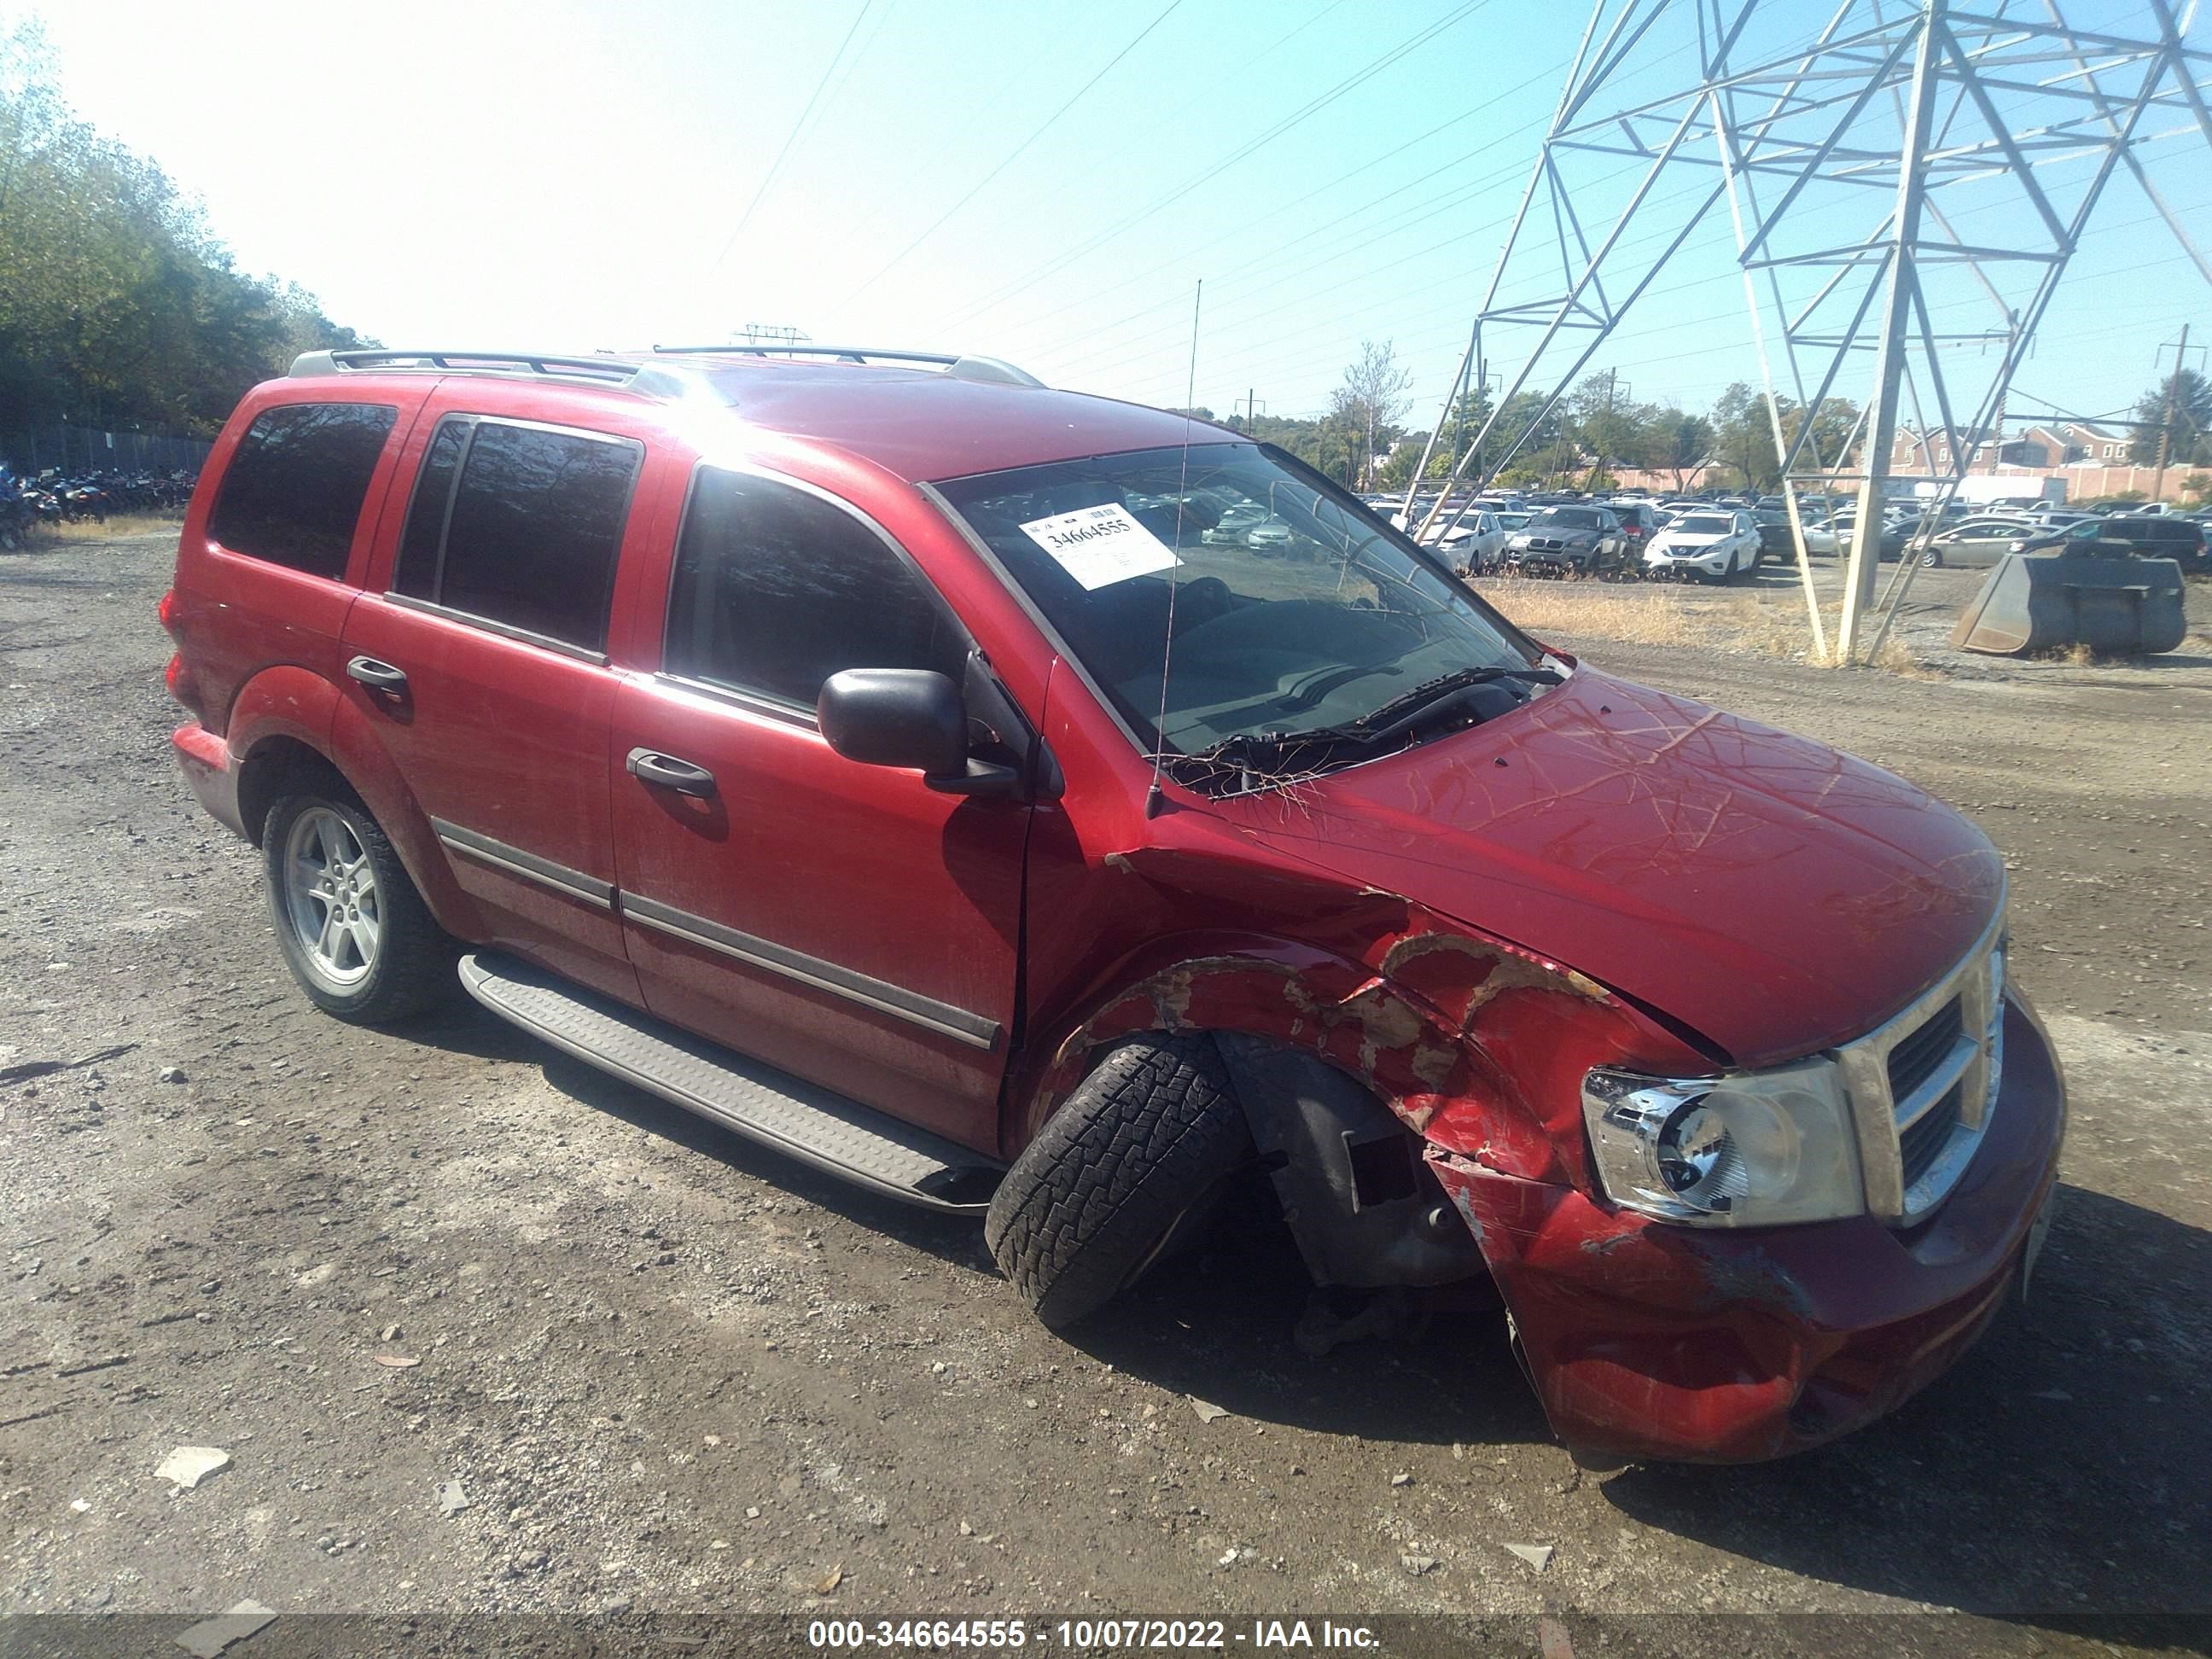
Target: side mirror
x=911 y=718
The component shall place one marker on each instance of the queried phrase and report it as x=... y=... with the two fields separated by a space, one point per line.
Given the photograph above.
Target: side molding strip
x=569 y=883
x=939 y=1016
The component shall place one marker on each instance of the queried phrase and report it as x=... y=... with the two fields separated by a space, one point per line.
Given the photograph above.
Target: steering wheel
x=1201 y=601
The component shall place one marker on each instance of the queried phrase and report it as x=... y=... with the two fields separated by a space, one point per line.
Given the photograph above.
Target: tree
x=1743 y=433
x=1608 y=429
x=119 y=306
x=1372 y=398
x=2197 y=486
x=1398 y=471
x=1520 y=441
x=2189 y=394
x=1680 y=443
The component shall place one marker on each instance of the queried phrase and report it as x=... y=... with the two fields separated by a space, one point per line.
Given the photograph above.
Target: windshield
x=1318 y=619
x=1704 y=524
x=1569 y=518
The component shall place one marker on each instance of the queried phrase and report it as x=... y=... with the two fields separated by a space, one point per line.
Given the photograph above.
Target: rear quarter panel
x=237 y=617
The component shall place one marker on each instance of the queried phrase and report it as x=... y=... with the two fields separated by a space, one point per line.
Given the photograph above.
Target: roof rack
x=959 y=365
x=309 y=364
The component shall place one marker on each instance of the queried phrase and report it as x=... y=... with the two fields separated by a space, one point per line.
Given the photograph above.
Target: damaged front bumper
x=1651 y=1341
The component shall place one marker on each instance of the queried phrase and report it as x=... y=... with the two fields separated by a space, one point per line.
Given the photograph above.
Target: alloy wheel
x=330 y=896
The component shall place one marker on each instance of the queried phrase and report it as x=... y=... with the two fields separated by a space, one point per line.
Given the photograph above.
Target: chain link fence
x=76 y=450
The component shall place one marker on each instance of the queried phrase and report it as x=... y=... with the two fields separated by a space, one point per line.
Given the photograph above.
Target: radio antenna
x=1154 y=800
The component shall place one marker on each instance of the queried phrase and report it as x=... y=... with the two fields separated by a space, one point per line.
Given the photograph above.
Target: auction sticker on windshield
x=1101 y=545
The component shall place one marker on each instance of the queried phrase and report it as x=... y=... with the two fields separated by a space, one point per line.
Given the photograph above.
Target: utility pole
x=1865 y=561
x=1597 y=462
x=2166 y=425
x=1252 y=407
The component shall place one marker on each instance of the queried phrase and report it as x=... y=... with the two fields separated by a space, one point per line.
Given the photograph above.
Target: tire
x=390 y=959
x=1930 y=559
x=1142 y=1147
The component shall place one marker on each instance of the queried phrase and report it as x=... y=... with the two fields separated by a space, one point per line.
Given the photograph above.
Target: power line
x=1303 y=114
x=1438 y=200
x=1018 y=151
x=1322 y=190
x=791 y=137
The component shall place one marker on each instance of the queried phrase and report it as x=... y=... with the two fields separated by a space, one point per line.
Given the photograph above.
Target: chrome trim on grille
x=1973 y=1066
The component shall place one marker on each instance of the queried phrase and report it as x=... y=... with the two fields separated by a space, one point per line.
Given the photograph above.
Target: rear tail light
x=167 y=610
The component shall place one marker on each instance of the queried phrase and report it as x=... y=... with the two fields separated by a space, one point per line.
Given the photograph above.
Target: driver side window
x=775 y=590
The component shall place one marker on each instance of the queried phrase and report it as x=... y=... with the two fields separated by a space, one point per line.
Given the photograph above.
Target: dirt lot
x=671 y=1372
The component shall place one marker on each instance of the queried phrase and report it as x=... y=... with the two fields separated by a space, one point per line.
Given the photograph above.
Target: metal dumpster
x=2110 y=602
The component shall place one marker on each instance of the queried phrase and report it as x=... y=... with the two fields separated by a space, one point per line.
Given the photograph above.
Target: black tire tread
x=416 y=969
x=1143 y=1138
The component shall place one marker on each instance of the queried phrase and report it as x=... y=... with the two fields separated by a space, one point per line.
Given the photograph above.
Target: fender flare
x=288 y=704
x=1460 y=1036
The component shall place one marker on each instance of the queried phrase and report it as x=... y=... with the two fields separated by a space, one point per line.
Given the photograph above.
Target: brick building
x=2093 y=459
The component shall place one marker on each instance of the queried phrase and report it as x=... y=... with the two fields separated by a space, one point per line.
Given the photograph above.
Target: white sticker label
x=1101 y=545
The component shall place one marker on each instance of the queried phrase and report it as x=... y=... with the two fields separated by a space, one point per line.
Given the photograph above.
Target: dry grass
x=118 y=524
x=1768 y=623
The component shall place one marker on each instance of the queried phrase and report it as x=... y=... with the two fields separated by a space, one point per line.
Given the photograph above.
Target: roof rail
x=960 y=366
x=309 y=364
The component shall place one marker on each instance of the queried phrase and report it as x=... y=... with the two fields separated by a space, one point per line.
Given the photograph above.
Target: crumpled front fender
x=1647 y=1340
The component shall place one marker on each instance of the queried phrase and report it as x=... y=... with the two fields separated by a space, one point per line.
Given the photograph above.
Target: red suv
x=871 y=752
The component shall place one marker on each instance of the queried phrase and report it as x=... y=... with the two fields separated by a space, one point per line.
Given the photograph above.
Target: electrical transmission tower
x=1904 y=182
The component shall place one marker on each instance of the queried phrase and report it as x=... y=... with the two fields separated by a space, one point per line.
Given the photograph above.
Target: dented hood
x=1775 y=895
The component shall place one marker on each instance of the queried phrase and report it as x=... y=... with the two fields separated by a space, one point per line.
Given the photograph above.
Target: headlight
x=1755 y=1149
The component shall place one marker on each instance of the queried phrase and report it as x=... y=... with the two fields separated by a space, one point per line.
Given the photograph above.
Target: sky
x=1048 y=183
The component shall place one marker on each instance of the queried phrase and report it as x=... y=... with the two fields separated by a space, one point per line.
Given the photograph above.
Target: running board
x=811 y=1124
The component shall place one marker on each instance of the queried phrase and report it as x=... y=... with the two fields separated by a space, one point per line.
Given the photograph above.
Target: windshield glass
x=1704 y=524
x=1569 y=518
x=1294 y=607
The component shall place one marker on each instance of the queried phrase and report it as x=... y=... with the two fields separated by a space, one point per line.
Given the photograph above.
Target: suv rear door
x=844 y=922
x=492 y=588
x=287 y=538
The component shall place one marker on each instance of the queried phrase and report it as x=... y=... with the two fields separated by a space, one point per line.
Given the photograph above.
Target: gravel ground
x=480 y=1330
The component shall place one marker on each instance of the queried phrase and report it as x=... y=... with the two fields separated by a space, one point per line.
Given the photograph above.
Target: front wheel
x=355 y=932
x=1120 y=1175
x=1930 y=559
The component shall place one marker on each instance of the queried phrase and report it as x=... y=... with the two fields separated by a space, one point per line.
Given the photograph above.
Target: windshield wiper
x=1307 y=749
x=1390 y=717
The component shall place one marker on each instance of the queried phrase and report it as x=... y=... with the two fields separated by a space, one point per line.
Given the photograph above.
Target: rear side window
x=521 y=525
x=293 y=492
x=775 y=590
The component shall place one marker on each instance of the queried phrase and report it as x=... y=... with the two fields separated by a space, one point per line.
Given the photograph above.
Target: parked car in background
x=2082 y=534
x=1639 y=522
x=1474 y=546
x=2168 y=536
x=1975 y=543
x=1568 y=541
x=1235 y=523
x=1712 y=546
x=1774 y=533
x=1894 y=536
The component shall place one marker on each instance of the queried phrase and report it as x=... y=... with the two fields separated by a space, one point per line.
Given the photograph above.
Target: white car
x=1712 y=545
x=1475 y=544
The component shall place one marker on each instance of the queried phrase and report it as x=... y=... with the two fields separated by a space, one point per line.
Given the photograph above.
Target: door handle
x=661 y=771
x=378 y=676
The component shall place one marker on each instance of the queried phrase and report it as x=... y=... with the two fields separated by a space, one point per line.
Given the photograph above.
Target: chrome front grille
x=1918 y=1055
x=1922 y=1085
